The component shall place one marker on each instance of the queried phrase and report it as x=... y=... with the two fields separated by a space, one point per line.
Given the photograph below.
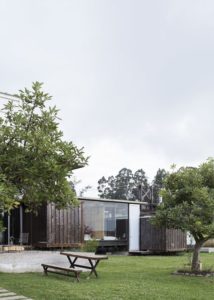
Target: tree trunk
x=196 y=256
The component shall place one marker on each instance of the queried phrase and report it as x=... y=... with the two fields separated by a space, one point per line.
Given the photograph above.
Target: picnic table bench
x=92 y=259
x=56 y=269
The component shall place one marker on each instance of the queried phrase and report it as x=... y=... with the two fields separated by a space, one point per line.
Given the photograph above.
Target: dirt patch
x=197 y=274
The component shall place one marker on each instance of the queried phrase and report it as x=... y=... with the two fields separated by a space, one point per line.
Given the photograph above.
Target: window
x=105 y=220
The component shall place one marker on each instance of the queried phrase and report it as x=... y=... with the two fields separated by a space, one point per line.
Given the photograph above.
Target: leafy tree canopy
x=132 y=186
x=35 y=161
x=188 y=204
x=125 y=185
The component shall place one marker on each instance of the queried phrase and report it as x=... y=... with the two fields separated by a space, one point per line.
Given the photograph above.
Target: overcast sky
x=134 y=80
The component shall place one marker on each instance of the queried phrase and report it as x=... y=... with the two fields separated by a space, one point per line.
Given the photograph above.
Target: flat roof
x=111 y=200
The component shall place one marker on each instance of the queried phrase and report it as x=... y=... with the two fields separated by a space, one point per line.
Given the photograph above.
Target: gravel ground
x=30 y=261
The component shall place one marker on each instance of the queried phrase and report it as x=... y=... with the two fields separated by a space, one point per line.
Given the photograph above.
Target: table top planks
x=84 y=255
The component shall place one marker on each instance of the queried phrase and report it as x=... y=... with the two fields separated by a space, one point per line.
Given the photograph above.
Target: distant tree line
x=131 y=185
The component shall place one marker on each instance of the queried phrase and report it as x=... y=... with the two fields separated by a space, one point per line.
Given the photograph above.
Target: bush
x=90 y=246
x=2 y=228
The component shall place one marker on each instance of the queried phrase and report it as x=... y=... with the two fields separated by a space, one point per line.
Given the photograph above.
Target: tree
x=141 y=185
x=157 y=185
x=125 y=185
x=74 y=183
x=106 y=187
x=35 y=161
x=188 y=204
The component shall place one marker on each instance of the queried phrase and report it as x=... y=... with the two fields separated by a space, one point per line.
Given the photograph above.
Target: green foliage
x=131 y=186
x=35 y=161
x=2 y=228
x=8 y=194
x=125 y=185
x=188 y=203
x=90 y=245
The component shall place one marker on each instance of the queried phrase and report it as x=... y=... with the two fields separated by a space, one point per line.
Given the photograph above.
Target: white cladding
x=134 y=227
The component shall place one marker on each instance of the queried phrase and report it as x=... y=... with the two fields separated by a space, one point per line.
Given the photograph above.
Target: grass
x=120 y=277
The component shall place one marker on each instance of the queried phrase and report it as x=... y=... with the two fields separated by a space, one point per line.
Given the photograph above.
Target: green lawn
x=120 y=277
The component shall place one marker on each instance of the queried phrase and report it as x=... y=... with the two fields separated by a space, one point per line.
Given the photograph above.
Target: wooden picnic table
x=93 y=260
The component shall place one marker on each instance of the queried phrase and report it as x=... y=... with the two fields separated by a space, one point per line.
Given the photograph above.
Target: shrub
x=2 y=228
x=90 y=246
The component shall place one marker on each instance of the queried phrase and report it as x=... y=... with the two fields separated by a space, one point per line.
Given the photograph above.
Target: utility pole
x=140 y=192
x=151 y=193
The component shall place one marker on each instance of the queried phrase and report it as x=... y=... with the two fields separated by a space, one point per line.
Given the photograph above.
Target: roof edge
x=112 y=200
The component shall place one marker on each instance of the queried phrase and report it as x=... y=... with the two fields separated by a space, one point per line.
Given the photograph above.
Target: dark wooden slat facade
x=63 y=227
x=50 y=227
x=160 y=239
x=35 y=225
x=53 y=228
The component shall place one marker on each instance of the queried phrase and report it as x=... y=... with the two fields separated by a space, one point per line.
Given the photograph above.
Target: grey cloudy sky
x=133 y=79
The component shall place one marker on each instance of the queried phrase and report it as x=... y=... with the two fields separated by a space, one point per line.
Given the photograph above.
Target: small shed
x=160 y=239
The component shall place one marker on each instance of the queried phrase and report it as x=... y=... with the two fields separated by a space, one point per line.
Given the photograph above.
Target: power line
x=7 y=96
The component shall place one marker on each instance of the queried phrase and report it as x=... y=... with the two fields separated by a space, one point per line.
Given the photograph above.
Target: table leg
x=93 y=267
x=45 y=270
x=72 y=263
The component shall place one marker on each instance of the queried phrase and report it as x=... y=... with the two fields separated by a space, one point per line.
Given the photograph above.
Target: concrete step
x=7 y=295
